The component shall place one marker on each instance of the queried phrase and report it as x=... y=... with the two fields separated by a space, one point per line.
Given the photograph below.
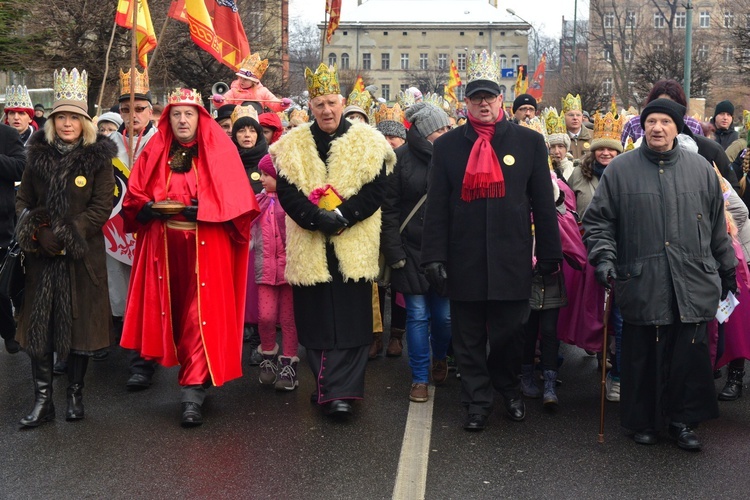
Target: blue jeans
x=428 y=321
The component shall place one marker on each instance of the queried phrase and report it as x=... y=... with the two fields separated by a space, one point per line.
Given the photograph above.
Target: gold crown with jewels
x=299 y=114
x=139 y=83
x=607 y=126
x=242 y=111
x=483 y=66
x=362 y=99
x=405 y=99
x=71 y=86
x=17 y=96
x=571 y=102
x=394 y=114
x=555 y=123
x=746 y=119
x=324 y=81
x=185 y=96
x=253 y=67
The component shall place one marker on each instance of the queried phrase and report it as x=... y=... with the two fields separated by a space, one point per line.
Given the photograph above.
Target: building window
x=658 y=20
x=461 y=65
x=385 y=61
x=460 y=93
x=628 y=53
x=331 y=59
x=481 y=33
x=503 y=90
x=728 y=19
x=747 y=21
x=346 y=33
x=461 y=33
x=423 y=60
x=366 y=61
x=404 y=33
x=704 y=19
x=503 y=61
x=515 y=61
x=680 y=19
x=442 y=61
x=609 y=20
x=728 y=54
x=703 y=51
x=607 y=86
x=344 y=61
x=404 y=61
x=607 y=54
x=630 y=19
x=659 y=47
x=385 y=33
x=385 y=89
x=404 y=86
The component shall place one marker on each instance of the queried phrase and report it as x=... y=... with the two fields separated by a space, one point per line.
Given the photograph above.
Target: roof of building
x=423 y=11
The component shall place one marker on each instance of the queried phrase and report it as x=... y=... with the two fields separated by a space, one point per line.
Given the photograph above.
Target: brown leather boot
x=395 y=345
x=377 y=345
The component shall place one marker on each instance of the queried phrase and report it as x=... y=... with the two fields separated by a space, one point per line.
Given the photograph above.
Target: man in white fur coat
x=331 y=184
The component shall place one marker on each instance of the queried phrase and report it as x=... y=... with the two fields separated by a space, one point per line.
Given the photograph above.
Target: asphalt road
x=257 y=443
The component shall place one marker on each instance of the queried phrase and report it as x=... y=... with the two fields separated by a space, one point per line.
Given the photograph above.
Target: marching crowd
x=483 y=234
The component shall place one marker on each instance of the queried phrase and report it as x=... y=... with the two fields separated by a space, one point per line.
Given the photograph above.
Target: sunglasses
x=138 y=109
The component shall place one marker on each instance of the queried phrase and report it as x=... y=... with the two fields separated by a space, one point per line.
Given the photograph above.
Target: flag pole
x=323 y=40
x=133 y=52
x=106 y=70
x=156 y=49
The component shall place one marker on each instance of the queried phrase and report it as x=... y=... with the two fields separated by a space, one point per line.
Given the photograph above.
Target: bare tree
x=431 y=78
x=304 y=52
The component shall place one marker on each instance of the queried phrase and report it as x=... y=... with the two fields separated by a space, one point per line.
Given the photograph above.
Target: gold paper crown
x=607 y=126
x=324 y=81
x=184 y=96
x=362 y=99
x=253 y=67
x=394 y=114
x=629 y=144
x=242 y=111
x=140 y=85
x=746 y=119
x=17 y=96
x=555 y=123
x=405 y=99
x=71 y=86
x=299 y=114
x=571 y=102
x=483 y=67
x=535 y=123
x=434 y=99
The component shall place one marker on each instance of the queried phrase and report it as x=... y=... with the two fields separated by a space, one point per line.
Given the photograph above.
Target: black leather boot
x=77 y=365
x=44 y=407
x=733 y=388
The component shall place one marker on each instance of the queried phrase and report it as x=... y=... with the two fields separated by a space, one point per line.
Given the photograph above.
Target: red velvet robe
x=226 y=208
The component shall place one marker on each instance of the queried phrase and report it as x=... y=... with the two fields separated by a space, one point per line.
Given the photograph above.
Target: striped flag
x=145 y=36
x=454 y=80
x=333 y=9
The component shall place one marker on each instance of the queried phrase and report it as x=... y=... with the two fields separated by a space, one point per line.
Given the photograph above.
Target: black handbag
x=12 y=271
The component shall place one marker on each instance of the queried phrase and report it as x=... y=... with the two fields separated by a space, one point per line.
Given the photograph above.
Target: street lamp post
x=536 y=38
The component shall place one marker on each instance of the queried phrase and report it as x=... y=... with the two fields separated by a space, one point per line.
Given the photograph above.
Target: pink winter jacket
x=237 y=95
x=268 y=237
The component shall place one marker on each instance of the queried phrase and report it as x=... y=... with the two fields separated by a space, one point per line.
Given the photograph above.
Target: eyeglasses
x=477 y=99
x=138 y=109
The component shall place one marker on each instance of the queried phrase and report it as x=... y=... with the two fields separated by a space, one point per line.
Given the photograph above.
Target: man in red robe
x=187 y=287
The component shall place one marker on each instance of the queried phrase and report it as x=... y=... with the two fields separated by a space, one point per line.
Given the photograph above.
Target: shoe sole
x=286 y=387
x=32 y=425
x=690 y=447
x=188 y=425
x=418 y=400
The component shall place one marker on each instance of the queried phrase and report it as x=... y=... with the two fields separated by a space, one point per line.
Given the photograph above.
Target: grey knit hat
x=392 y=128
x=427 y=118
x=111 y=117
x=563 y=139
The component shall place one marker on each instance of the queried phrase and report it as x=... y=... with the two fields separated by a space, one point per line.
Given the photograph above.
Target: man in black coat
x=487 y=179
x=12 y=163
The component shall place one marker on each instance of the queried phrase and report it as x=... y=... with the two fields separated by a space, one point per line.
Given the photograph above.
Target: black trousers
x=7 y=323
x=475 y=325
x=666 y=376
x=542 y=323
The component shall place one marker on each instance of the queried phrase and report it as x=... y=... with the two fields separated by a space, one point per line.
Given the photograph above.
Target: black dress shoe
x=12 y=346
x=138 y=382
x=191 y=415
x=646 y=437
x=516 y=409
x=475 y=422
x=338 y=408
x=686 y=437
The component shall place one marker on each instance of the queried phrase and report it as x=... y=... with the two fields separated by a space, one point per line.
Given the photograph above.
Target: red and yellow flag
x=145 y=36
x=214 y=27
x=359 y=85
x=333 y=9
x=536 y=87
x=454 y=80
x=522 y=81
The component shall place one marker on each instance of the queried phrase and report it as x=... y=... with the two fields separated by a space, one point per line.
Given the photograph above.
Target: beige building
x=396 y=44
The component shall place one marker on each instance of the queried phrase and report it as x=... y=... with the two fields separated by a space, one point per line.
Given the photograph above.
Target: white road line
x=411 y=479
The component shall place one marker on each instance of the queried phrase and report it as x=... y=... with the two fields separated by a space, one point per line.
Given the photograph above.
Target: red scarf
x=484 y=177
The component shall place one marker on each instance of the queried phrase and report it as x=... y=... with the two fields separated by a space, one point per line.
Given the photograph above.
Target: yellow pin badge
x=80 y=181
x=509 y=160
x=255 y=176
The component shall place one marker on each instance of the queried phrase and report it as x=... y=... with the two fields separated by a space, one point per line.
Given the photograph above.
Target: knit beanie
x=111 y=117
x=427 y=118
x=352 y=109
x=392 y=128
x=724 y=107
x=563 y=139
x=523 y=100
x=266 y=165
x=675 y=110
x=605 y=142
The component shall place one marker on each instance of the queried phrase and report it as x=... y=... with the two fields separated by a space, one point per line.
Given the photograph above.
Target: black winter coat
x=406 y=187
x=486 y=244
x=12 y=163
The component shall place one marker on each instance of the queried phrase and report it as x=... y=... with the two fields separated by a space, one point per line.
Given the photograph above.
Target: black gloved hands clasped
x=330 y=222
x=437 y=277
x=728 y=283
x=147 y=214
x=605 y=271
x=190 y=212
x=547 y=267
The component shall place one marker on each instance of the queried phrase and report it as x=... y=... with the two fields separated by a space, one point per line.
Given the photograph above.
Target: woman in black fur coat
x=65 y=198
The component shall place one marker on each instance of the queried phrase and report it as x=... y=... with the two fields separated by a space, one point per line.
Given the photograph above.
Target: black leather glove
x=49 y=243
x=605 y=271
x=147 y=214
x=728 y=283
x=329 y=222
x=190 y=212
x=547 y=267
x=437 y=277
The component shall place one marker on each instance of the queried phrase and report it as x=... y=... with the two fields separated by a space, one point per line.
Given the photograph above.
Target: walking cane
x=607 y=308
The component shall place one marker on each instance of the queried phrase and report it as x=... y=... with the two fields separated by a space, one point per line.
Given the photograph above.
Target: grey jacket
x=659 y=217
